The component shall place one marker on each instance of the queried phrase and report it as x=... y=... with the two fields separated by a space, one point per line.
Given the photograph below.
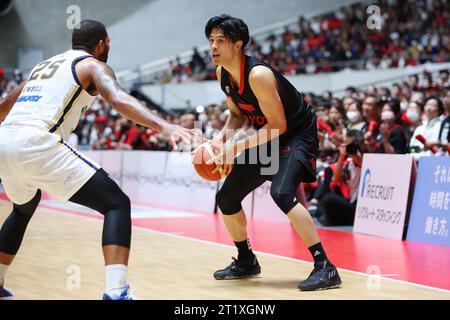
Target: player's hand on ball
x=176 y=134
x=224 y=159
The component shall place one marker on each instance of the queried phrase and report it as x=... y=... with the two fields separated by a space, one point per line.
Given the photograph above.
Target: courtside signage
x=384 y=194
x=429 y=220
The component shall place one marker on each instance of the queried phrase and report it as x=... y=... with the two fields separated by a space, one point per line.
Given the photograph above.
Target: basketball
x=202 y=155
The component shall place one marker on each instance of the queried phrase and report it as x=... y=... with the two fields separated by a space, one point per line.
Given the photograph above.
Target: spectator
x=414 y=115
x=187 y=121
x=444 y=132
x=355 y=115
x=371 y=111
x=393 y=135
x=338 y=205
x=433 y=109
x=347 y=101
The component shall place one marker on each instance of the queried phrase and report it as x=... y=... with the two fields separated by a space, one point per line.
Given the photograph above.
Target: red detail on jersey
x=247 y=107
x=242 y=82
x=260 y=120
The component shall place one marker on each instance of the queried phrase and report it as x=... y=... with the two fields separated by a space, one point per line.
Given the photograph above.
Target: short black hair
x=378 y=101
x=87 y=35
x=233 y=28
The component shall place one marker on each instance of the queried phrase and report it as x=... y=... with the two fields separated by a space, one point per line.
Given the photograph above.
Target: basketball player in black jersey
x=260 y=95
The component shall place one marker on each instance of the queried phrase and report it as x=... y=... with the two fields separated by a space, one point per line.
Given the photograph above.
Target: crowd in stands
x=412 y=33
x=409 y=117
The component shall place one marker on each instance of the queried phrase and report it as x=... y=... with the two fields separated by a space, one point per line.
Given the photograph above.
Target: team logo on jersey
x=29 y=98
x=259 y=120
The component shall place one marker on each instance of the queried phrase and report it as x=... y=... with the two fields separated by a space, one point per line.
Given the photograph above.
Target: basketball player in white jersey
x=35 y=156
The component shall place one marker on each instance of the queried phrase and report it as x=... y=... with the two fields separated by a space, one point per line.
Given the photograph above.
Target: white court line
x=259 y=252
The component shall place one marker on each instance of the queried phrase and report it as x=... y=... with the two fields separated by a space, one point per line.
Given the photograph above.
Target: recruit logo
x=375 y=191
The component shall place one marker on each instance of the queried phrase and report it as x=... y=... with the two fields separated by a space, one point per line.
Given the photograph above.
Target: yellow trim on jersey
x=67 y=114
x=61 y=109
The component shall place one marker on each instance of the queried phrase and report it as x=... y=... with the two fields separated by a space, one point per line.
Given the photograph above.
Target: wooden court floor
x=61 y=258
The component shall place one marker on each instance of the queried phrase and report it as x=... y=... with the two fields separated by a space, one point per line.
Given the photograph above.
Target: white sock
x=116 y=278
x=3 y=268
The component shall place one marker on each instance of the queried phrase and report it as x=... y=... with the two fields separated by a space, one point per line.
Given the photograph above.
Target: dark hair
x=357 y=143
x=394 y=105
x=351 y=89
x=358 y=104
x=88 y=34
x=320 y=102
x=378 y=101
x=233 y=28
x=340 y=108
x=386 y=90
x=439 y=103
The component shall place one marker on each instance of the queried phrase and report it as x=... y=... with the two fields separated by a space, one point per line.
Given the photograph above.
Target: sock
x=3 y=268
x=116 y=278
x=244 y=249
x=318 y=253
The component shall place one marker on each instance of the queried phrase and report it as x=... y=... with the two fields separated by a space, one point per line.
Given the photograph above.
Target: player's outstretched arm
x=103 y=81
x=7 y=104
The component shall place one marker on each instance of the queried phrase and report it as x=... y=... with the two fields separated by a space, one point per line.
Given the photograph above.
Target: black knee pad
x=102 y=194
x=284 y=199
x=117 y=223
x=14 y=227
x=228 y=203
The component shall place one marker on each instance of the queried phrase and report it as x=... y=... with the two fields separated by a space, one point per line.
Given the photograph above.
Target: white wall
x=161 y=179
x=168 y=180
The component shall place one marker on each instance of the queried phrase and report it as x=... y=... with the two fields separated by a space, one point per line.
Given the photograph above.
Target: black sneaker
x=239 y=269
x=324 y=276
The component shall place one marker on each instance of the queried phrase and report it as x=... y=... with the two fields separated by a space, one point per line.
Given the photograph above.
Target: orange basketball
x=203 y=154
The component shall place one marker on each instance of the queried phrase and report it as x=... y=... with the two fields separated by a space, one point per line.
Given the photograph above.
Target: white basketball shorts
x=32 y=159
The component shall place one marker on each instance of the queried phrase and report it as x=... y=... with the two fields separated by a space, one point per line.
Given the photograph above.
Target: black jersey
x=299 y=115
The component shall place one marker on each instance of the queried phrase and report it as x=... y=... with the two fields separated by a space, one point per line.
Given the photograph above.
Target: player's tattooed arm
x=7 y=104
x=104 y=83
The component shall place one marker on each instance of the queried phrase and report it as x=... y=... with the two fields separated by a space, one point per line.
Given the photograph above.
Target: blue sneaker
x=5 y=294
x=123 y=296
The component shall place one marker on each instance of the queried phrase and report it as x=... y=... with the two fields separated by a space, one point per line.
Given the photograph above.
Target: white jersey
x=53 y=99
